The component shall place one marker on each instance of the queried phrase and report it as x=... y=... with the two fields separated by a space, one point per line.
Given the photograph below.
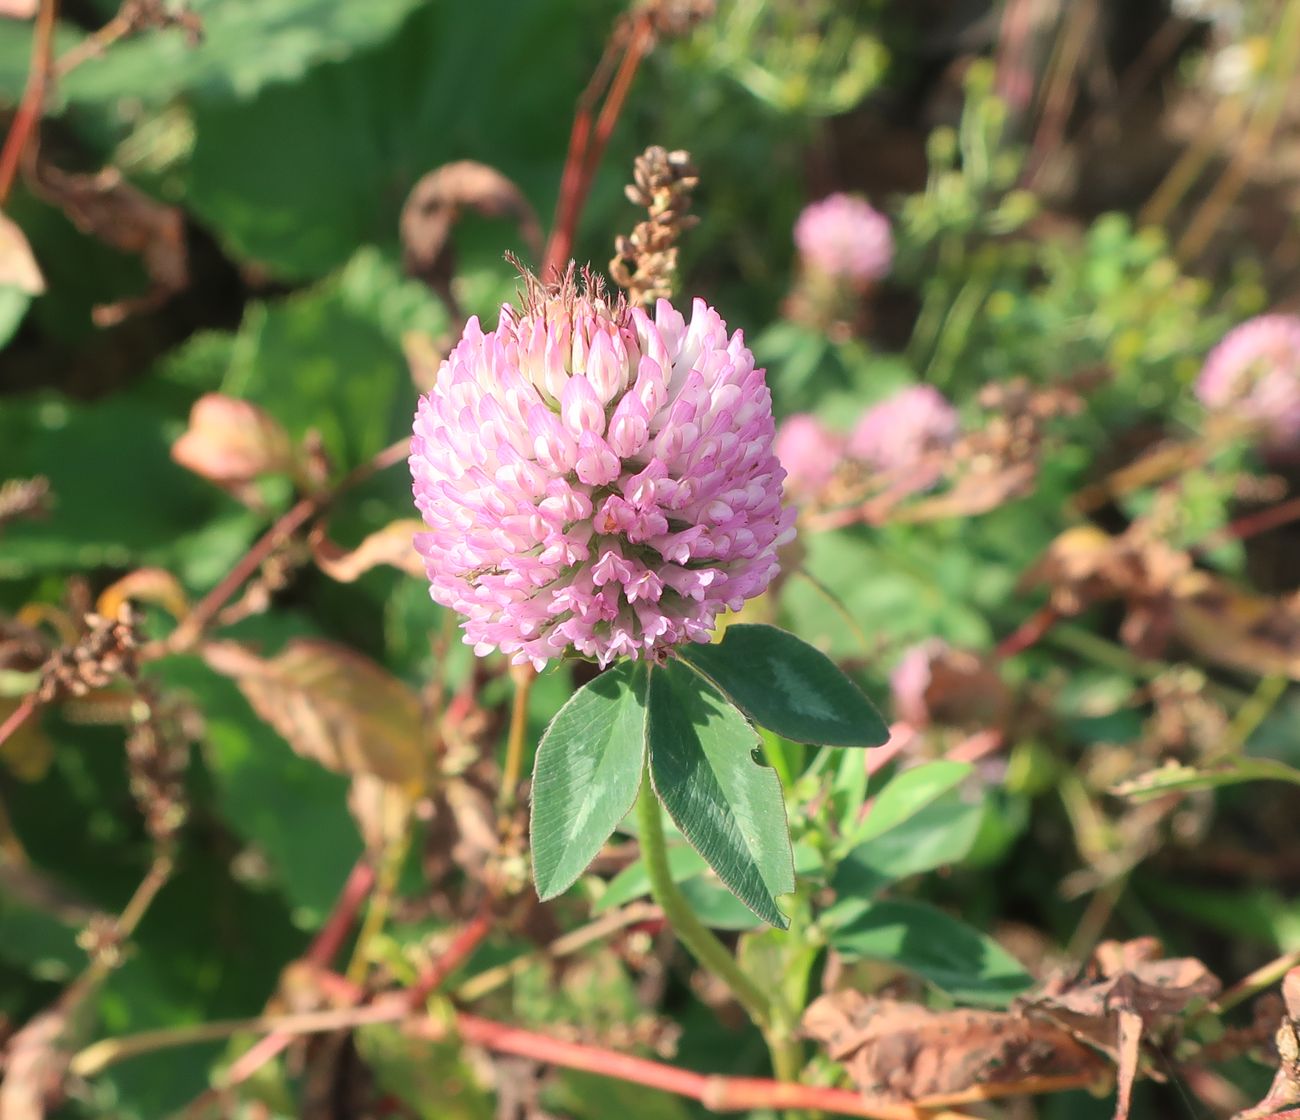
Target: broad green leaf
x=1175 y=777
x=247 y=44
x=783 y=683
x=586 y=775
x=941 y=833
x=727 y=805
x=949 y=954
x=907 y=794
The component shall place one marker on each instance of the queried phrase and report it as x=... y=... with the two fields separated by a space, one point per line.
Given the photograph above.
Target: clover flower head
x=900 y=433
x=809 y=451
x=1255 y=372
x=846 y=238
x=595 y=480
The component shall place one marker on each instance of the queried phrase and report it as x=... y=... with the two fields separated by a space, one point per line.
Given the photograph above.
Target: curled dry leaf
x=389 y=545
x=435 y=205
x=107 y=207
x=18 y=267
x=232 y=442
x=1285 y=1090
x=145 y=585
x=1128 y=991
x=908 y=1052
x=332 y=705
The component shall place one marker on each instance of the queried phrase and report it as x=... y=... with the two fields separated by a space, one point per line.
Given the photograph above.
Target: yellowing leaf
x=27 y=752
x=332 y=705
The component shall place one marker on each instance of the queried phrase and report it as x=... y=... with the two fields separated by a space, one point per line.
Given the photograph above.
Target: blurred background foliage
x=1100 y=188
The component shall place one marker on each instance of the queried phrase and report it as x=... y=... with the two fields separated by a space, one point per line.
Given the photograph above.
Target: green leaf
x=907 y=794
x=941 y=833
x=246 y=45
x=1175 y=777
x=586 y=775
x=727 y=806
x=632 y=882
x=783 y=683
x=949 y=954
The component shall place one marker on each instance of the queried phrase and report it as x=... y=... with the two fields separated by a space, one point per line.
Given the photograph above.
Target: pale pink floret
x=846 y=238
x=901 y=434
x=594 y=480
x=1255 y=372
x=809 y=451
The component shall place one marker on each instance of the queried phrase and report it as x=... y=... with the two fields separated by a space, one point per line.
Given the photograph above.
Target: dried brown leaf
x=1234 y=628
x=18 y=267
x=35 y=1064
x=28 y=751
x=908 y=1052
x=435 y=205
x=332 y=705
x=145 y=585
x=1285 y=1090
x=390 y=545
x=380 y=809
x=107 y=207
x=232 y=442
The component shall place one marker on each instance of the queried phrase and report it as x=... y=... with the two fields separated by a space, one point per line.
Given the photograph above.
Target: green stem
x=699 y=941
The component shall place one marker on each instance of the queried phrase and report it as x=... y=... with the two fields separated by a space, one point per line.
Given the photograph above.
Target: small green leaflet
x=586 y=775
x=784 y=684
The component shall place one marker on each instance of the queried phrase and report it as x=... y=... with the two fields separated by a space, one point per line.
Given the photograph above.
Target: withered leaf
x=35 y=1064
x=1242 y=631
x=28 y=751
x=908 y=1052
x=332 y=705
x=107 y=207
x=232 y=442
x=390 y=545
x=1285 y=1090
x=145 y=585
x=435 y=205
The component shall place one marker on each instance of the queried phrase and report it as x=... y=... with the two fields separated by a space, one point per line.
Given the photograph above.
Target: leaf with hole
x=784 y=684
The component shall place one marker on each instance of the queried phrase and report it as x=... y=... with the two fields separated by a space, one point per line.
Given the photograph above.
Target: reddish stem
x=18 y=716
x=587 y=146
x=462 y=945
x=33 y=103
x=1028 y=633
x=329 y=940
x=717 y=1094
x=1255 y=523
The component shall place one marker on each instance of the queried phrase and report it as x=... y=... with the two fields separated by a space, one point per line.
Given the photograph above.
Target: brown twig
x=191 y=629
x=633 y=37
x=33 y=103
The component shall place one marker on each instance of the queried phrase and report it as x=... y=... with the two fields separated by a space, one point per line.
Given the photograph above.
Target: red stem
x=33 y=102
x=1255 y=523
x=329 y=940
x=1028 y=633
x=717 y=1094
x=462 y=945
x=586 y=147
x=18 y=716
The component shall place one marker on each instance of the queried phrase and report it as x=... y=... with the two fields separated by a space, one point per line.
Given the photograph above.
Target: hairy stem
x=690 y=931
